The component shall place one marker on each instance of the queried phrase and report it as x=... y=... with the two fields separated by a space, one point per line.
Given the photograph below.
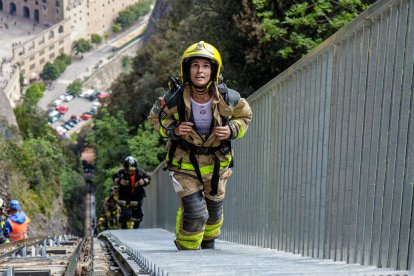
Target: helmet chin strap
x=201 y=90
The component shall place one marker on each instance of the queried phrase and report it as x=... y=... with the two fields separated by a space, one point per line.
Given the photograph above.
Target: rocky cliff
x=8 y=124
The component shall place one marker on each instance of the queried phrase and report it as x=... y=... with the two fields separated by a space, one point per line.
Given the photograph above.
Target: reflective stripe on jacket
x=19 y=230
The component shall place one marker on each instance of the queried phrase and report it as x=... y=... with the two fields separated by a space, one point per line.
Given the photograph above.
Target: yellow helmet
x=201 y=50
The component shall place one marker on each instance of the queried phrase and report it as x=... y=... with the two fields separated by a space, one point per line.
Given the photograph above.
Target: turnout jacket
x=127 y=191
x=236 y=113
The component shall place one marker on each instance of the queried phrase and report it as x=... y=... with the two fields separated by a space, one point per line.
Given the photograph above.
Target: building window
x=32 y=66
x=32 y=58
x=42 y=61
x=44 y=1
x=51 y=56
x=61 y=42
x=61 y=50
x=42 y=52
x=57 y=3
x=37 y=2
x=51 y=47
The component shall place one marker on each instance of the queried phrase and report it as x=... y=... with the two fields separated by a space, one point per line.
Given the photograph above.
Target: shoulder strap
x=180 y=105
x=230 y=96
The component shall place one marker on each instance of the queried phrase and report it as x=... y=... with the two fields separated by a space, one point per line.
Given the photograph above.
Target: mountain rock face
x=8 y=124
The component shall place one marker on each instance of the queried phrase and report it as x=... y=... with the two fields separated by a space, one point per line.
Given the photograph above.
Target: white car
x=62 y=97
x=57 y=102
x=60 y=129
x=68 y=98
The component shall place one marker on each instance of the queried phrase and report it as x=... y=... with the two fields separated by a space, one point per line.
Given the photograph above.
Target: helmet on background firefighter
x=201 y=50
x=130 y=163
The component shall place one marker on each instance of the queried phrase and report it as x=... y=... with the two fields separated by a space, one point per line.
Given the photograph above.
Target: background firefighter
x=111 y=210
x=200 y=118
x=129 y=192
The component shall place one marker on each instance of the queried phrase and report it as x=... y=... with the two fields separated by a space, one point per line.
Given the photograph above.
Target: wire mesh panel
x=326 y=168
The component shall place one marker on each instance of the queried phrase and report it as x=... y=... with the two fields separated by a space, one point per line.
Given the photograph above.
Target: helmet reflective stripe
x=201 y=50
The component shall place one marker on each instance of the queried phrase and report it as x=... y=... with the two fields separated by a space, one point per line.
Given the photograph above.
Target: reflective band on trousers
x=203 y=170
x=186 y=241
x=131 y=203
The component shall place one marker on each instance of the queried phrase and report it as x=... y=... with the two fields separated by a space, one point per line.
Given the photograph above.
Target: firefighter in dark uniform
x=129 y=183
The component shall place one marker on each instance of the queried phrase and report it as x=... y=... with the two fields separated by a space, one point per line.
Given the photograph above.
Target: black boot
x=207 y=244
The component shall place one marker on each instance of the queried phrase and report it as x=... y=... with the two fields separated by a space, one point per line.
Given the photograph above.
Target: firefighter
x=200 y=116
x=111 y=210
x=129 y=183
x=17 y=222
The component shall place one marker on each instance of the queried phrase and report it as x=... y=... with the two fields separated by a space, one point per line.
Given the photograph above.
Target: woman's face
x=200 y=72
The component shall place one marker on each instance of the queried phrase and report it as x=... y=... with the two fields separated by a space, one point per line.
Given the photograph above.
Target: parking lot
x=75 y=108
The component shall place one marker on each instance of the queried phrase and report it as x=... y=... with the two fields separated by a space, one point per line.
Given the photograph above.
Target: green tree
x=81 y=46
x=146 y=147
x=75 y=87
x=109 y=138
x=132 y=13
x=125 y=18
x=31 y=121
x=116 y=28
x=34 y=93
x=95 y=38
x=66 y=59
x=50 y=72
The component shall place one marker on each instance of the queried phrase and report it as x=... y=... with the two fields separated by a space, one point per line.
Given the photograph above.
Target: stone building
x=33 y=32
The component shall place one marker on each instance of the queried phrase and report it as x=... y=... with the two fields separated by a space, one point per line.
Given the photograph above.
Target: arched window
x=51 y=35
x=12 y=9
x=26 y=12
x=60 y=30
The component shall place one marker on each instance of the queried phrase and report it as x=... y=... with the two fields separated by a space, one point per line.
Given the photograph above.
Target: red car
x=86 y=116
x=102 y=95
x=62 y=109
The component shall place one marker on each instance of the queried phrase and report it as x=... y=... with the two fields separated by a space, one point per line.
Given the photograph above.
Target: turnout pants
x=199 y=215
x=131 y=214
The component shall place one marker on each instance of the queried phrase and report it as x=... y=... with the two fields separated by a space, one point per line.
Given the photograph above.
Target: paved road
x=81 y=69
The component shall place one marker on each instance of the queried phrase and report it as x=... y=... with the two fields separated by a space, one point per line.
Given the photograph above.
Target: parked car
x=102 y=95
x=62 y=109
x=57 y=102
x=74 y=118
x=54 y=116
x=86 y=116
x=92 y=97
x=86 y=93
x=66 y=126
x=68 y=98
x=60 y=130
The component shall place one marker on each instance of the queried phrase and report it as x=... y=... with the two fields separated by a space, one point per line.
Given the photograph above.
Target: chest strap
x=194 y=150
